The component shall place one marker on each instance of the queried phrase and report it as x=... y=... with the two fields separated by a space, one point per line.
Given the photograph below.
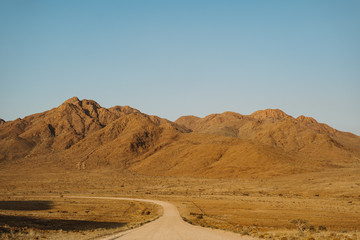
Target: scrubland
x=60 y=217
x=305 y=206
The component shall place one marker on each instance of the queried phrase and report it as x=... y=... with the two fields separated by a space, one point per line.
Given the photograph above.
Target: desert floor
x=323 y=205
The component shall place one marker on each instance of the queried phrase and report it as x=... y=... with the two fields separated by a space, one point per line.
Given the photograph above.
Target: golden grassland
x=305 y=206
x=34 y=217
x=59 y=217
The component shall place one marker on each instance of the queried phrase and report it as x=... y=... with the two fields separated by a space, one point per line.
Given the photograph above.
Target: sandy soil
x=328 y=201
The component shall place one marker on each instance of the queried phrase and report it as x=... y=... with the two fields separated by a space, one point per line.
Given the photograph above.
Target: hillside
x=78 y=128
x=82 y=135
x=273 y=127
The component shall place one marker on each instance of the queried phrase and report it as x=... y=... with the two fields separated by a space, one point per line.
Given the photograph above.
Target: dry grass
x=258 y=207
x=70 y=218
x=275 y=217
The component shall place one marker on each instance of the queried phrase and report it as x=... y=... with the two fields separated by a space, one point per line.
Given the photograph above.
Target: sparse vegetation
x=301 y=224
x=322 y=228
x=24 y=219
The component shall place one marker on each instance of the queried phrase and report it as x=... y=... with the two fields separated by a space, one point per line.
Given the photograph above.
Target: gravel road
x=171 y=226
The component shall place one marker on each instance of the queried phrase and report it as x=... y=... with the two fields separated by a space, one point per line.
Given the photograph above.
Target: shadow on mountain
x=55 y=224
x=26 y=205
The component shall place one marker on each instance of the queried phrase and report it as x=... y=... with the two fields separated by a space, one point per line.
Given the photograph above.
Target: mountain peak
x=276 y=114
x=73 y=100
x=90 y=105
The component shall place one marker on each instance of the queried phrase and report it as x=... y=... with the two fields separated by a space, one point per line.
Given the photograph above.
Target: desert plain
x=267 y=175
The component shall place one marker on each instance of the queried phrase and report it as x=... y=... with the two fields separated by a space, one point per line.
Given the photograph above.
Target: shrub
x=301 y=224
x=322 y=228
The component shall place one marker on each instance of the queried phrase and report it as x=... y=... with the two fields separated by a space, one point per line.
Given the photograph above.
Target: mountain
x=82 y=135
x=81 y=126
x=275 y=128
x=265 y=143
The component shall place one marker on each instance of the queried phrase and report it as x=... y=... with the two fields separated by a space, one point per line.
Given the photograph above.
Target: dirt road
x=170 y=226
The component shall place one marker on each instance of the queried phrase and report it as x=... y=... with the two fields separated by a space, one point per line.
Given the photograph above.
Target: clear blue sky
x=172 y=58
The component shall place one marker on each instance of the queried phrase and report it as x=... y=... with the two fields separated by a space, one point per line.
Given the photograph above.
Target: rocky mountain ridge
x=80 y=135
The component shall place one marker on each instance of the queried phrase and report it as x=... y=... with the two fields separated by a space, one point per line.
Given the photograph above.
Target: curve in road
x=170 y=226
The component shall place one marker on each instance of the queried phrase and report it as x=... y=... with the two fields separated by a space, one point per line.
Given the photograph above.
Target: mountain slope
x=82 y=135
x=274 y=128
x=303 y=143
x=74 y=121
